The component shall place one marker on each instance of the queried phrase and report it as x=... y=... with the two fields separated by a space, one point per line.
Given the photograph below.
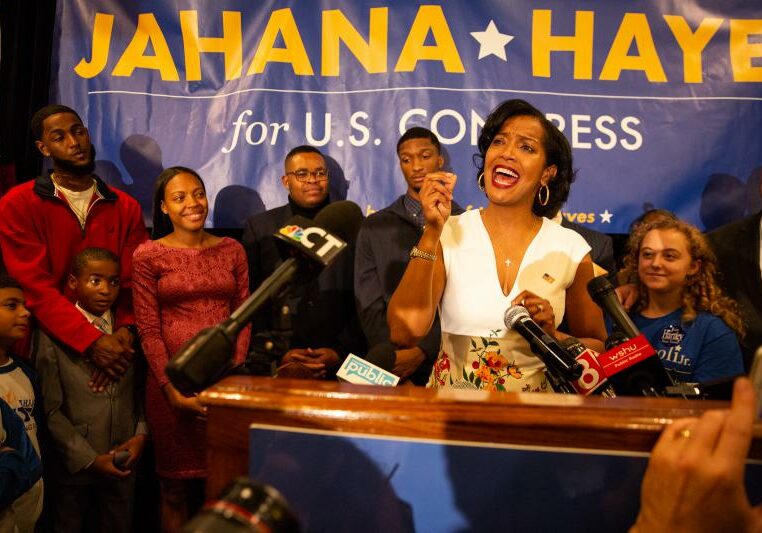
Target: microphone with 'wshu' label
x=631 y=364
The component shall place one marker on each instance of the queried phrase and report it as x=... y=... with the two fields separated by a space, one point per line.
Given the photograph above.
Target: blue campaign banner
x=661 y=100
x=340 y=482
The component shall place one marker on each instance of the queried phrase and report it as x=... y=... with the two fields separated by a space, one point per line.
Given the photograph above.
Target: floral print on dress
x=489 y=368
x=542 y=387
x=491 y=362
x=442 y=370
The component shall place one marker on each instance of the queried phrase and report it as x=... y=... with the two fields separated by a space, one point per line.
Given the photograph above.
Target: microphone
x=573 y=345
x=313 y=244
x=634 y=370
x=362 y=372
x=323 y=238
x=602 y=292
x=561 y=366
x=382 y=355
x=630 y=362
x=593 y=379
x=615 y=339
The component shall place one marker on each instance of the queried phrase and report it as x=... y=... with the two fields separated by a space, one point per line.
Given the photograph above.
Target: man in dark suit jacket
x=382 y=254
x=322 y=321
x=737 y=248
x=602 y=246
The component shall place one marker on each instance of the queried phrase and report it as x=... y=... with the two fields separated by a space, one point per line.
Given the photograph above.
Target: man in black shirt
x=382 y=254
x=323 y=321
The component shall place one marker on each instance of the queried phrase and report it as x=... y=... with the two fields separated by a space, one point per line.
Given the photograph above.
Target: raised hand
x=436 y=198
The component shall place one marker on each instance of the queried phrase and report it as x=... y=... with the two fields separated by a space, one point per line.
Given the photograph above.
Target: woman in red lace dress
x=185 y=279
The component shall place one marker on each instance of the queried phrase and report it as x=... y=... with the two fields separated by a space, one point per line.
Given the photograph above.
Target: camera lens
x=245 y=507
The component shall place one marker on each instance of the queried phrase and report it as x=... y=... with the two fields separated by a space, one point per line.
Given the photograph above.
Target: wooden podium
x=535 y=420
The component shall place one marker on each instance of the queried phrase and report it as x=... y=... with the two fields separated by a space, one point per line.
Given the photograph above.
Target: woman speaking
x=476 y=265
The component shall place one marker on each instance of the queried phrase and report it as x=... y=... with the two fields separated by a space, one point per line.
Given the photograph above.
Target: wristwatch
x=415 y=252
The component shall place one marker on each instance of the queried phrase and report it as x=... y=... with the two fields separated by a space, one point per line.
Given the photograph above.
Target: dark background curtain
x=25 y=65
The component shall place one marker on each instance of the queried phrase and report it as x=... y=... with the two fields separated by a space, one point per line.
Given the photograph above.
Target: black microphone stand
x=206 y=357
x=557 y=382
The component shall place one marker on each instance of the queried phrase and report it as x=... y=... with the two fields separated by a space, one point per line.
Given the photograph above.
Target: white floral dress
x=476 y=350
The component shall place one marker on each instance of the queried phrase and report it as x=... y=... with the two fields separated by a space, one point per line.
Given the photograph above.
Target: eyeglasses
x=304 y=175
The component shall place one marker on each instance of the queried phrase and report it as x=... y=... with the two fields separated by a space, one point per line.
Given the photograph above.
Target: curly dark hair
x=557 y=151
x=303 y=149
x=48 y=111
x=701 y=291
x=7 y=282
x=418 y=132
x=79 y=263
x=652 y=215
x=162 y=226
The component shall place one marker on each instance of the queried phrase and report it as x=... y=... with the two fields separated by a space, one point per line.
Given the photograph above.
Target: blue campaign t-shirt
x=701 y=351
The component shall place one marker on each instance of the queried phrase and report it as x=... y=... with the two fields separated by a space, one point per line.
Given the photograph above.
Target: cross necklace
x=508 y=262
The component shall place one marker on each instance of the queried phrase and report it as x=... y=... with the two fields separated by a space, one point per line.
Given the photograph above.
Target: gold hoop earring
x=547 y=195
x=480 y=181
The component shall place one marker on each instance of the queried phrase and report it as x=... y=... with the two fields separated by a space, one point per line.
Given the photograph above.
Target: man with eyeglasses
x=321 y=325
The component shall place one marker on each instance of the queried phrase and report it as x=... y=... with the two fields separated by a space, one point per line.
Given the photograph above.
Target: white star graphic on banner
x=606 y=217
x=491 y=41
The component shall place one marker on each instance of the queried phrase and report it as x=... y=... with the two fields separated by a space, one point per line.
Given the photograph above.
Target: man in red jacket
x=46 y=222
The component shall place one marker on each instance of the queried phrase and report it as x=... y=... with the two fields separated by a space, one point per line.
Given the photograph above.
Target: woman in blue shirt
x=689 y=321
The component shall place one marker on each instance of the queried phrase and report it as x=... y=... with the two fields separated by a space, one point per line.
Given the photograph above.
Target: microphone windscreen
x=342 y=218
x=514 y=314
x=615 y=339
x=573 y=345
x=599 y=287
x=383 y=355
